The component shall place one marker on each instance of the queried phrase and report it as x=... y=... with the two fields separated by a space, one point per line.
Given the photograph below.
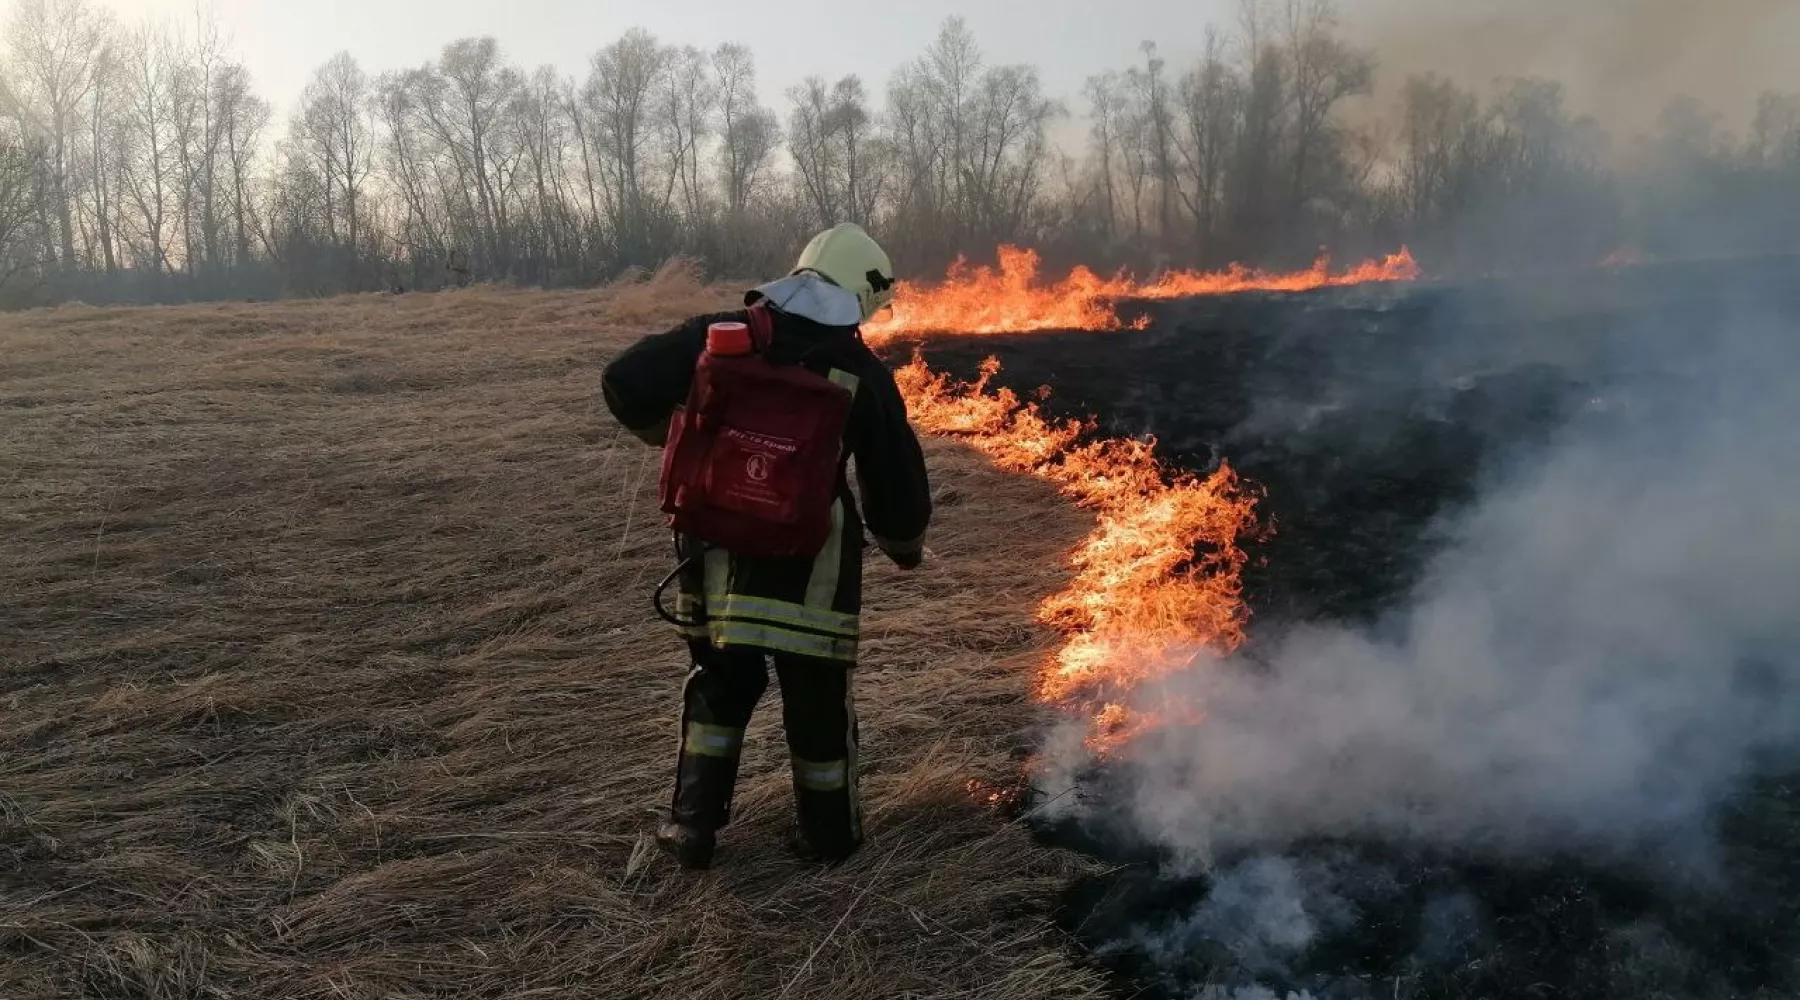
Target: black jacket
x=785 y=604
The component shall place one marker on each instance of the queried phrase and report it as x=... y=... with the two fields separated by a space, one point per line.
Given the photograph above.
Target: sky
x=284 y=41
x=1622 y=59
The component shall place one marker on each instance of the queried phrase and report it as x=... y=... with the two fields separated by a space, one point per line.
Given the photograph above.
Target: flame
x=1006 y=798
x=1157 y=582
x=1010 y=298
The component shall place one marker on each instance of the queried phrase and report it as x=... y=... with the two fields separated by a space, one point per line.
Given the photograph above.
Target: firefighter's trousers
x=819 y=716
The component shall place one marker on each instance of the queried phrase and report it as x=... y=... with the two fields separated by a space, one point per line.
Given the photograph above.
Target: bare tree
x=198 y=140
x=463 y=101
x=1532 y=131
x=948 y=76
x=920 y=143
x=242 y=117
x=333 y=125
x=817 y=159
x=105 y=152
x=544 y=138
x=56 y=48
x=1441 y=147
x=23 y=187
x=686 y=101
x=295 y=228
x=865 y=155
x=1323 y=71
x=147 y=136
x=967 y=142
x=1136 y=150
x=1775 y=131
x=1153 y=102
x=617 y=101
x=1108 y=107
x=1006 y=149
x=748 y=131
x=1211 y=111
x=144 y=157
x=841 y=160
x=1267 y=99
x=581 y=121
x=409 y=169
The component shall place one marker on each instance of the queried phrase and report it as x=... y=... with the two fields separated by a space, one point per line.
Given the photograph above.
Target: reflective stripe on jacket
x=811 y=606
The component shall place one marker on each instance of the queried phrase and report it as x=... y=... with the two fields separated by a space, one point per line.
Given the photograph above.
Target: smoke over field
x=1596 y=657
x=1622 y=61
x=1523 y=676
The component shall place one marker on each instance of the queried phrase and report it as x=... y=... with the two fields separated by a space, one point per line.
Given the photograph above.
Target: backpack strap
x=762 y=332
x=762 y=327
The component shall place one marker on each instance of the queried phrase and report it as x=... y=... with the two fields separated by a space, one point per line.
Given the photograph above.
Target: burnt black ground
x=1369 y=415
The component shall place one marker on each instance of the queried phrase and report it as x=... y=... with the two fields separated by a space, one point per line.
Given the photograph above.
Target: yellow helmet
x=845 y=256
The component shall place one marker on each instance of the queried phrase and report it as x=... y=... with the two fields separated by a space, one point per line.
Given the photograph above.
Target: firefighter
x=739 y=613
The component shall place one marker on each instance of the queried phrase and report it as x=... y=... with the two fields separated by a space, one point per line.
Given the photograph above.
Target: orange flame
x=1158 y=581
x=1009 y=299
x=1155 y=584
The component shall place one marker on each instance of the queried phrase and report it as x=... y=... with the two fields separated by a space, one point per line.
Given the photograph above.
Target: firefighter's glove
x=906 y=555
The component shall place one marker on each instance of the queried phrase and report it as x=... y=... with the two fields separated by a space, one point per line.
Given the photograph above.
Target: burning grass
x=1009 y=298
x=328 y=670
x=1158 y=581
x=1376 y=419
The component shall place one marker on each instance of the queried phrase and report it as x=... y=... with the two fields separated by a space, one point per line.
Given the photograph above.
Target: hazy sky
x=1622 y=58
x=284 y=40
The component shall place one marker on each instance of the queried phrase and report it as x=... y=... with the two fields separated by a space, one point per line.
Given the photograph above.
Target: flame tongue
x=1158 y=581
x=1010 y=299
x=1155 y=584
x=1237 y=278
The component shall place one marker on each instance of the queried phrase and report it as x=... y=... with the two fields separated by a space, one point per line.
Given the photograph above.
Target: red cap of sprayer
x=728 y=338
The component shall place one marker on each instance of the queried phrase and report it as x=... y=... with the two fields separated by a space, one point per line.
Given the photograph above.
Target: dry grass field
x=327 y=669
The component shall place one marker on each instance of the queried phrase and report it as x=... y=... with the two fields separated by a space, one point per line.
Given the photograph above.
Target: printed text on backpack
x=751 y=464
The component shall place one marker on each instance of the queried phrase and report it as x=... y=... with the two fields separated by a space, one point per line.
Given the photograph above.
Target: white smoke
x=1607 y=646
x=1621 y=60
x=1260 y=914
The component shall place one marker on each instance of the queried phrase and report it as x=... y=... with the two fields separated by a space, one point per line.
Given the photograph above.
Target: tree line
x=140 y=164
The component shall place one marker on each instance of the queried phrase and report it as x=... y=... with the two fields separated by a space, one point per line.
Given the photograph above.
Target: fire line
x=1010 y=299
x=1158 y=582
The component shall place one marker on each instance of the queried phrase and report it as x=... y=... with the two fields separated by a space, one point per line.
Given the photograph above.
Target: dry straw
x=327 y=670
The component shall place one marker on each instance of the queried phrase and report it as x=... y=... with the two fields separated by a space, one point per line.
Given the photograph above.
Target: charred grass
x=1369 y=415
x=327 y=669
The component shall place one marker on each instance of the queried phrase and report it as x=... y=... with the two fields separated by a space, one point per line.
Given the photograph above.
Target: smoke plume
x=1622 y=60
x=1606 y=646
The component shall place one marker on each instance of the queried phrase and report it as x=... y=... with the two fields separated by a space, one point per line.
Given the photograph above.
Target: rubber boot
x=691 y=847
x=702 y=806
x=806 y=850
x=720 y=694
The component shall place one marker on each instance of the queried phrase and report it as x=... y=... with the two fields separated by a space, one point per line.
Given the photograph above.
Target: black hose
x=656 y=599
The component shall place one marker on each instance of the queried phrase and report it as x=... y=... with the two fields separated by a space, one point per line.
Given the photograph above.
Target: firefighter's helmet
x=847 y=257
